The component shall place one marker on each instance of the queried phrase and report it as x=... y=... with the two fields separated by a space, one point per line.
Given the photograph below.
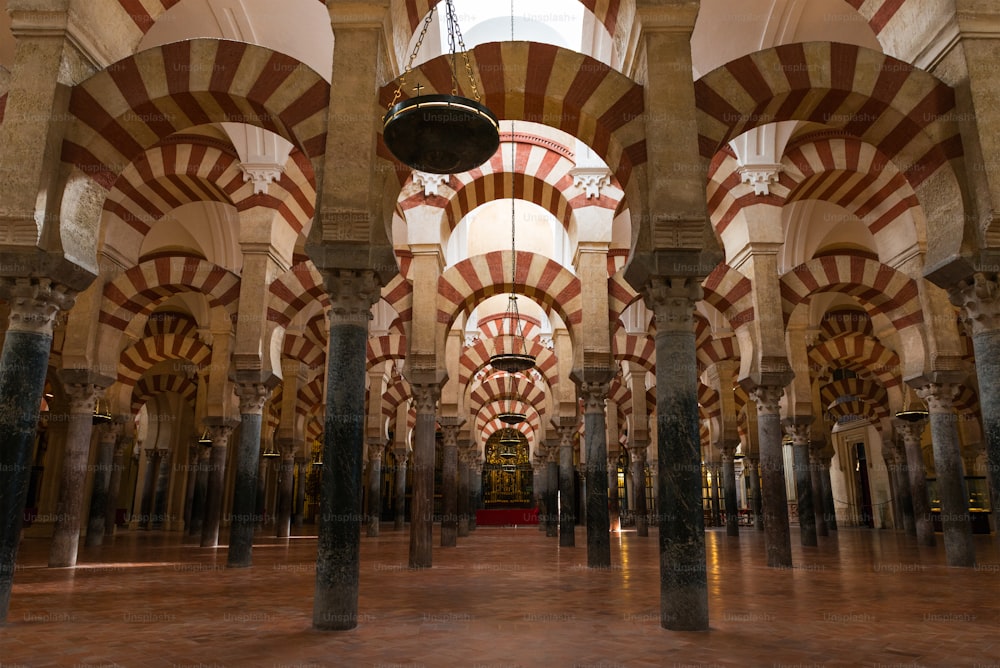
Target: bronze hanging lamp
x=441 y=134
x=911 y=414
x=102 y=413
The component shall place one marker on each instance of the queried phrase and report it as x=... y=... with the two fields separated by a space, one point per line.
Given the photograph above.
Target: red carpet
x=506 y=516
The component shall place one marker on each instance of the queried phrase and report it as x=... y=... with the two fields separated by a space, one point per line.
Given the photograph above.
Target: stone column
x=191 y=468
x=425 y=397
x=253 y=396
x=798 y=428
x=449 y=480
x=829 y=507
x=159 y=519
x=955 y=522
x=34 y=304
x=552 y=490
x=729 y=485
x=567 y=474
x=114 y=487
x=375 y=449
x=911 y=433
x=716 y=501
x=66 y=538
x=109 y=435
x=300 y=491
x=338 y=556
x=464 y=453
x=979 y=297
x=286 y=488
x=816 y=484
x=200 y=498
x=594 y=394
x=683 y=578
x=777 y=535
x=581 y=506
x=751 y=468
x=219 y=432
x=539 y=474
x=638 y=472
x=399 y=512
x=475 y=485
x=902 y=485
x=150 y=478
x=614 y=504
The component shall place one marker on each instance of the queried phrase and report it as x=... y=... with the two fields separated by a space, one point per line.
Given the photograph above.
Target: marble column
x=151 y=477
x=716 y=501
x=729 y=485
x=338 y=555
x=638 y=474
x=300 y=492
x=798 y=428
x=539 y=478
x=614 y=504
x=159 y=519
x=375 y=449
x=399 y=510
x=829 y=507
x=286 y=488
x=751 y=468
x=683 y=577
x=463 y=490
x=245 y=517
x=200 y=498
x=108 y=437
x=979 y=298
x=552 y=490
x=777 y=534
x=956 y=524
x=816 y=483
x=449 y=480
x=114 y=487
x=66 y=538
x=595 y=436
x=902 y=485
x=425 y=398
x=34 y=304
x=191 y=468
x=911 y=433
x=567 y=489
x=219 y=432
x=475 y=488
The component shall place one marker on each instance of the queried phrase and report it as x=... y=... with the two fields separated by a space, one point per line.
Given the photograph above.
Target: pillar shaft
x=552 y=494
x=614 y=504
x=595 y=443
x=567 y=488
x=34 y=305
x=816 y=483
x=102 y=478
x=399 y=511
x=449 y=481
x=374 y=487
x=902 y=485
x=300 y=491
x=829 y=507
x=716 y=501
x=215 y=483
x=729 y=484
x=463 y=493
x=245 y=516
x=286 y=492
x=777 y=535
x=752 y=471
x=475 y=488
x=114 y=487
x=798 y=428
x=422 y=473
x=200 y=497
x=638 y=475
x=951 y=488
x=683 y=578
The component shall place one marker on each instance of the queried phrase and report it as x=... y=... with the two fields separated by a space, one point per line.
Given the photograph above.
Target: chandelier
x=270 y=451
x=102 y=412
x=508 y=443
x=441 y=134
x=205 y=438
x=911 y=414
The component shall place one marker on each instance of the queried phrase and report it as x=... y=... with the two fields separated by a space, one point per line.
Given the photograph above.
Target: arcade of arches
x=745 y=245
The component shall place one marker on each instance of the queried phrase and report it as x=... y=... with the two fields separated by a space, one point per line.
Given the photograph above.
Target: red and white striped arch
x=708 y=401
x=545 y=84
x=493 y=325
x=150 y=386
x=490 y=411
x=309 y=346
x=139 y=289
x=133 y=104
x=138 y=358
x=879 y=287
x=638 y=348
x=854 y=410
x=859 y=353
x=711 y=350
x=501 y=386
x=398 y=293
x=310 y=399
x=845 y=321
x=475 y=357
x=474 y=279
x=293 y=290
x=396 y=392
x=900 y=110
x=865 y=389
x=489 y=427
x=730 y=293
x=387 y=347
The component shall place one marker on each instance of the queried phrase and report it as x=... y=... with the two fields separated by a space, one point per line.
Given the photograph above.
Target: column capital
x=253 y=396
x=910 y=431
x=219 y=430
x=82 y=397
x=593 y=395
x=938 y=396
x=35 y=303
x=798 y=427
x=425 y=397
x=376 y=448
x=979 y=299
x=352 y=294
x=450 y=425
x=109 y=432
x=672 y=301
x=767 y=398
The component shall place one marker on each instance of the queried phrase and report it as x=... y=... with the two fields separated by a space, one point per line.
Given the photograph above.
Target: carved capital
x=979 y=299
x=940 y=397
x=760 y=176
x=767 y=398
x=911 y=432
x=798 y=428
x=219 y=433
x=376 y=448
x=594 y=395
x=449 y=429
x=110 y=432
x=82 y=397
x=352 y=294
x=35 y=303
x=262 y=174
x=425 y=397
x=637 y=451
x=252 y=396
x=672 y=301
x=431 y=182
x=591 y=180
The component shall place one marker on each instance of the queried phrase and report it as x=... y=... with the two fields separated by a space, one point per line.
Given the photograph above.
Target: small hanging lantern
x=441 y=134
x=102 y=412
x=911 y=414
x=205 y=438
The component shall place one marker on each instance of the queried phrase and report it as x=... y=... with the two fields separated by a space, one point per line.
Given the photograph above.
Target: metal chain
x=452 y=26
x=465 y=57
x=413 y=56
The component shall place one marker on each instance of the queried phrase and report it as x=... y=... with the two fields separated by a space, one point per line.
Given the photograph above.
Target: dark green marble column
x=902 y=485
x=683 y=577
x=911 y=433
x=463 y=490
x=729 y=485
x=198 y=500
x=595 y=437
x=751 y=469
x=777 y=534
x=286 y=490
x=399 y=509
x=552 y=491
x=475 y=487
x=338 y=555
x=638 y=473
x=109 y=435
x=216 y=482
x=449 y=480
x=34 y=305
x=375 y=449
x=798 y=428
x=245 y=517
x=567 y=487
x=425 y=397
x=816 y=481
x=300 y=491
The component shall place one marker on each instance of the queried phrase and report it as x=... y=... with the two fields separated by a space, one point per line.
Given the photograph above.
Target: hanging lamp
x=508 y=443
x=205 y=439
x=270 y=451
x=102 y=412
x=911 y=414
x=441 y=134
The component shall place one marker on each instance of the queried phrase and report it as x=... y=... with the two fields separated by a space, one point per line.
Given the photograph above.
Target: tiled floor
x=504 y=598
